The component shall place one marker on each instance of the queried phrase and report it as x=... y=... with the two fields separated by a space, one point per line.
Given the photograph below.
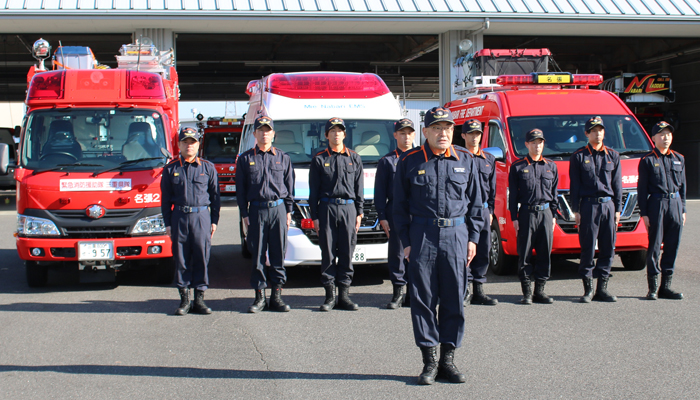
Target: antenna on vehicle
x=63 y=60
x=138 y=58
x=403 y=84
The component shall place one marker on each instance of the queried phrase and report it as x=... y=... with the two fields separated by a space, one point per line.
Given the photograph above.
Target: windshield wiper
x=126 y=163
x=624 y=153
x=565 y=154
x=62 y=166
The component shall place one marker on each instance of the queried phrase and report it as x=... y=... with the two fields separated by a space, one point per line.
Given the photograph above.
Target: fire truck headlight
x=153 y=225
x=33 y=226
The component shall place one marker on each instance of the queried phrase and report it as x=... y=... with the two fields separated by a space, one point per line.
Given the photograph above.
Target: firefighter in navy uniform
x=485 y=163
x=336 y=190
x=190 y=204
x=661 y=189
x=404 y=133
x=533 y=184
x=596 y=200
x=437 y=212
x=265 y=192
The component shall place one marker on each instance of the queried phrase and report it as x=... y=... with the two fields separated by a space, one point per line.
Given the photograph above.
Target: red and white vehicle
x=91 y=152
x=222 y=138
x=559 y=104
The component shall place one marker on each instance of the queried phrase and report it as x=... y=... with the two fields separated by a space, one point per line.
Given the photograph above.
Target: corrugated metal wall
x=686 y=140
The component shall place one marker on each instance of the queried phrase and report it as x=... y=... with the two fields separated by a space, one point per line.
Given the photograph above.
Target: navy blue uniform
x=533 y=185
x=265 y=192
x=384 y=202
x=596 y=193
x=486 y=165
x=437 y=211
x=336 y=190
x=190 y=203
x=661 y=189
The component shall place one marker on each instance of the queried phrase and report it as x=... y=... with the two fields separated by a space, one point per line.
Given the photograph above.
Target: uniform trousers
x=480 y=264
x=597 y=226
x=397 y=268
x=267 y=236
x=534 y=232
x=337 y=239
x=191 y=237
x=665 y=226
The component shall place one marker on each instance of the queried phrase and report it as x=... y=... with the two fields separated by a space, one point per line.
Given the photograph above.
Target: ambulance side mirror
x=4 y=158
x=496 y=152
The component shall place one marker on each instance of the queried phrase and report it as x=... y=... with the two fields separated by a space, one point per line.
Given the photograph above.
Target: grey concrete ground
x=108 y=341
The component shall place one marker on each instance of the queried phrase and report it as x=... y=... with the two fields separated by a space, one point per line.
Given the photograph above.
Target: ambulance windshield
x=92 y=139
x=303 y=139
x=564 y=134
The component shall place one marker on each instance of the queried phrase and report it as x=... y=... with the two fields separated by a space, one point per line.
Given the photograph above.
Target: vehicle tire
x=499 y=262
x=164 y=273
x=634 y=260
x=244 y=243
x=37 y=275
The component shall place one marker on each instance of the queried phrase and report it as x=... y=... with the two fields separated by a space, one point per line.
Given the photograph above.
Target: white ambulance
x=300 y=104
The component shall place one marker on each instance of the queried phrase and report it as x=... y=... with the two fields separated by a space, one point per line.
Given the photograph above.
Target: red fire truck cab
x=91 y=153
x=222 y=137
x=559 y=104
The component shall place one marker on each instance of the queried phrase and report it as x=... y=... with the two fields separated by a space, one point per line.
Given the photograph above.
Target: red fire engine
x=559 y=104
x=91 y=152
x=222 y=137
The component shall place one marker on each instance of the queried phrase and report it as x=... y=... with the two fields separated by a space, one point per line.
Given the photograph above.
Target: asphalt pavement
x=120 y=340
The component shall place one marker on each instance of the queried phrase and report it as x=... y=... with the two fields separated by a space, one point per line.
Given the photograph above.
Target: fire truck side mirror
x=4 y=158
x=496 y=152
x=166 y=153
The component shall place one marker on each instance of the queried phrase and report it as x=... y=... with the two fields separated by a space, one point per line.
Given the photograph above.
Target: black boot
x=344 y=301
x=184 y=301
x=397 y=299
x=539 y=296
x=199 y=306
x=665 y=292
x=527 y=292
x=259 y=303
x=447 y=368
x=430 y=366
x=601 y=291
x=407 y=297
x=587 y=290
x=653 y=281
x=276 y=302
x=480 y=297
x=467 y=296
x=329 y=303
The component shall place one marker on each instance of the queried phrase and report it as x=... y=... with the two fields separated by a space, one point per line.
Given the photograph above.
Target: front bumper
x=300 y=251
x=62 y=249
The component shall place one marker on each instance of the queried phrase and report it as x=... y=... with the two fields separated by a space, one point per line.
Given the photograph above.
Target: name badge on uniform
x=677 y=162
x=421 y=172
x=326 y=165
x=252 y=163
x=525 y=170
x=587 y=161
x=459 y=170
x=487 y=165
x=176 y=174
x=656 y=164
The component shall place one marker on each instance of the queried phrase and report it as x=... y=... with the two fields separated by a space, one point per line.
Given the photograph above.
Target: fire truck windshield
x=221 y=146
x=302 y=139
x=93 y=139
x=564 y=134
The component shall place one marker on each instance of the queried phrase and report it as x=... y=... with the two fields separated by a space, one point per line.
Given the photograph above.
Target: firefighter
x=404 y=133
x=596 y=200
x=336 y=189
x=533 y=184
x=485 y=163
x=265 y=192
x=661 y=189
x=190 y=204
x=438 y=216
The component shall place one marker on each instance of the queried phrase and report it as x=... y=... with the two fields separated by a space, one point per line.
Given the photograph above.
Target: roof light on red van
x=327 y=85
x=144 y=85
x=588 y=79
x=507 y=80
x=47 y=85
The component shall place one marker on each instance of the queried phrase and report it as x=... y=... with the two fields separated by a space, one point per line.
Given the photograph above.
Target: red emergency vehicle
x=91 y=152
x=559 y=104
x=222 y=137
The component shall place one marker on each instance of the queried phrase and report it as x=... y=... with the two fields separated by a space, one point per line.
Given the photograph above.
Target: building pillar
x=449 y=53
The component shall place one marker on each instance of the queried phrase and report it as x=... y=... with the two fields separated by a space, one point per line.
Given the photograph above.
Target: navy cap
x=263 y=120
x=403 y=123
x=534 y=135
x=473 y=125
x=661 y=125
x=335 y=122
x=187 y=132
x=438 y=114
x=594 y=121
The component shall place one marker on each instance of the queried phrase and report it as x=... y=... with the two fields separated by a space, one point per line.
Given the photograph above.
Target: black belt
x=666 y=195
x=188 y=209
x=439 y=222
x=597 y=199
x=267 y=204
x=337 y=201
x=539 y=207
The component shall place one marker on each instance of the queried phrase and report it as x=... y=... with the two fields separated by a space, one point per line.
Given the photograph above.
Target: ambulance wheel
x=244 y=244
x=499 y=262
x=165 y=271
x=634 y=260
x=37 y=275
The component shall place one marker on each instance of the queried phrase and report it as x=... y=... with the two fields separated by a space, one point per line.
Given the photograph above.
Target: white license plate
x=95 y=251
x=359 y=255
x=230 y=188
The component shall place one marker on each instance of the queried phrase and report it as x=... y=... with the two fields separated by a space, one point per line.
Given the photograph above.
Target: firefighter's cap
x=187 y=132
x=437 y=114
x=661 y=125
x=473 y=125
x=335 y=121
x=263 y=120
x=534 y=135
x=403 y=123
x=594 y=121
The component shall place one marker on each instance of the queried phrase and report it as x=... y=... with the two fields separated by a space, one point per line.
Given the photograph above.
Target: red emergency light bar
x=252 y=87
x=549 y=78
x=220 y=122
x=327 y=85
x=47 y=85
x=513 y=53
x=144 y=85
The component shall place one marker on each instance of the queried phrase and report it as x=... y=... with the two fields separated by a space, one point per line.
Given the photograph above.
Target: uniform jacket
x=486 y=164
x=336 y=175
x=663 y=174
x=384 y=183
x=595 y=174
x=532 y=183
x=264 y=176
x=193 y=184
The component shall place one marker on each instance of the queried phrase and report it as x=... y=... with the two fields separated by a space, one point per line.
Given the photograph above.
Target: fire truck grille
x=80 y=214
x=102 y=232
x=370 y=231
x=628 y=220
x=225 y=179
